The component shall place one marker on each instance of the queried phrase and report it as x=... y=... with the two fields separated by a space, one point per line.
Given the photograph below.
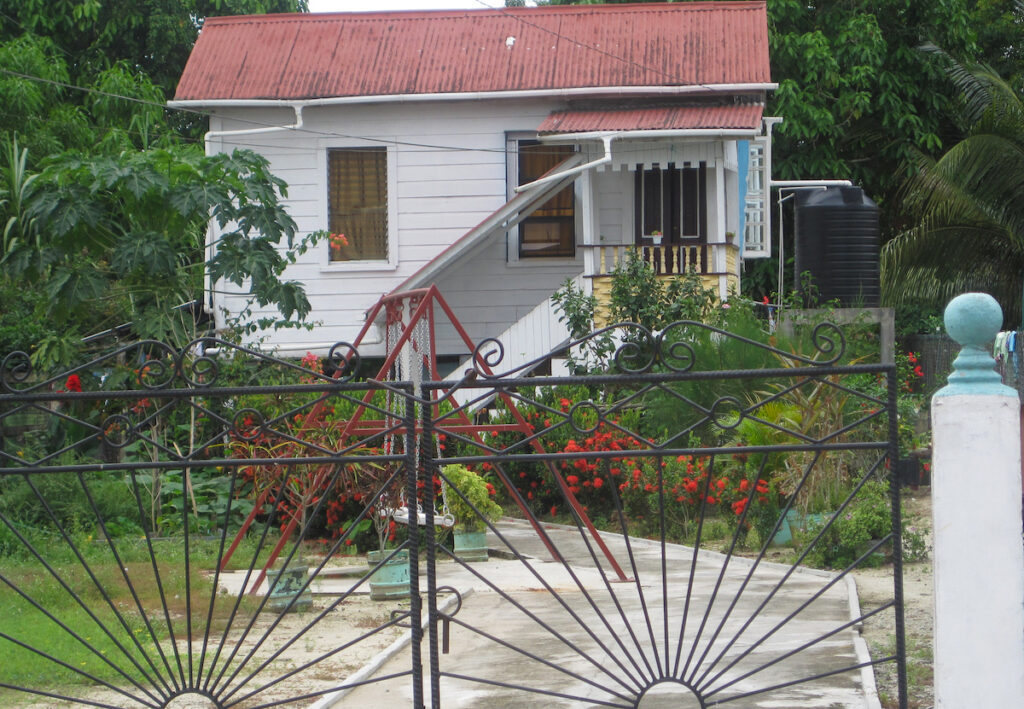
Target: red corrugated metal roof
x=386 y=53
x=662 y=118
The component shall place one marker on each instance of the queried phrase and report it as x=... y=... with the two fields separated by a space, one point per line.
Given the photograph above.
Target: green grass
x=27 y=623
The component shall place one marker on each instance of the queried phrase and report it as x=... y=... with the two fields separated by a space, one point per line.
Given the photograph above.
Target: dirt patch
x=875 y=587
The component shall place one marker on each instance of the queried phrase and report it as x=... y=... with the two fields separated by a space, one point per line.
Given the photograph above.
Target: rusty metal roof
x=304 y=56
x=737 y=116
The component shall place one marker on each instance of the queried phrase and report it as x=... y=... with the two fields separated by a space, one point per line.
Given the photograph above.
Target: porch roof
x=732 y=116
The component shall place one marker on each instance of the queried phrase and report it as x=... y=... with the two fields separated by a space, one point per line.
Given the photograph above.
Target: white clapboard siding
x=447 y=173
x=533 y=336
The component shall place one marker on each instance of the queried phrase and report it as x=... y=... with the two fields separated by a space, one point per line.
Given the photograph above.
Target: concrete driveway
x=533 y=632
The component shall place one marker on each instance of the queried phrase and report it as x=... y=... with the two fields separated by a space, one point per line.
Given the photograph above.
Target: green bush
x=865 y=519
x=21 y=322
x=473 y=512
x=63 y=493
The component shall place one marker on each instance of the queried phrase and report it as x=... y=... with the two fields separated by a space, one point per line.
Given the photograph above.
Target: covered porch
x=681 y=187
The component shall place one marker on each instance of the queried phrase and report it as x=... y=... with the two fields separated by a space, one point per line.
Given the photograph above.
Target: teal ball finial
x=973 y=319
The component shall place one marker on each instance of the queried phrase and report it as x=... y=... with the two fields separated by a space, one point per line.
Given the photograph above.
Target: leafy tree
x=118 y=238
x=1000 y=27
x=154 y=36
x=103 y=201
x=39 y=108
x=857 y=95
x=967 y=206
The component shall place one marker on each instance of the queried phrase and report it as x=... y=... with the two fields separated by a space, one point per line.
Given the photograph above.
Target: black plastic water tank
x=837 y=242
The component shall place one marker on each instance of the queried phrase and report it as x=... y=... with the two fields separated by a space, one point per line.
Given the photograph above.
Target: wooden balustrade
x=666 y=259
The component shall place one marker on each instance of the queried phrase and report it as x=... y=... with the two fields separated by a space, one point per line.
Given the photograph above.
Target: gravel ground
x=875 y=586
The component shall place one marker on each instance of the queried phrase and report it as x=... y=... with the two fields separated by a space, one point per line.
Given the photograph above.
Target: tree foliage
x=104 y=199
x=122 y=236
x=1000 y=28
x=967 y=207
x=152 y=36
x=857 y=95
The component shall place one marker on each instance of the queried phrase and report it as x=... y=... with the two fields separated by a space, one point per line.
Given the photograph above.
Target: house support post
x=976 y=509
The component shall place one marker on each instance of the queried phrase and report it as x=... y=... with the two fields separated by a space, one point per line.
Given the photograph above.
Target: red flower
x=73 y=383
x=918 y=371
x=554 y=510
x=598 y=482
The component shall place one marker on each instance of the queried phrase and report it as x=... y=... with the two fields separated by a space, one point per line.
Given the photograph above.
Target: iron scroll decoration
x=161 y=367
x=641 y=349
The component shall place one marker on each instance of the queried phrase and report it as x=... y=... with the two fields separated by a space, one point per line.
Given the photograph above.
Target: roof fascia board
x=607 y=91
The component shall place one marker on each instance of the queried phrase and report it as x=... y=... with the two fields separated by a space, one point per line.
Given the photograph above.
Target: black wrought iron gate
x=659 y=518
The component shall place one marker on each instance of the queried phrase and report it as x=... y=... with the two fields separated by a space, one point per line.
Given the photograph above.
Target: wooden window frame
x=540 y=219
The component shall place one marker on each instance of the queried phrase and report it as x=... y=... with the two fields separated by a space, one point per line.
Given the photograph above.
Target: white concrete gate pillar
x=976 y=512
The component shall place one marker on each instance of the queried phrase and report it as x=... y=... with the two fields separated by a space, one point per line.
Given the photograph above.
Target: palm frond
x=968 y=206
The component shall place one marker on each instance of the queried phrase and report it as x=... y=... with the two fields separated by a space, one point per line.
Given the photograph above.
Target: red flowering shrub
x=588 y=477
x=683 y=486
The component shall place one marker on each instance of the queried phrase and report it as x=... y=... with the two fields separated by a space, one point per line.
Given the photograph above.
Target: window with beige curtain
x=357 y=183
x=551 y=229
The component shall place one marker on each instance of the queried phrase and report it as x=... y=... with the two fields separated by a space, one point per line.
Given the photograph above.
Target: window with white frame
x=357 y=203
x=550 y=231
x=755 y=233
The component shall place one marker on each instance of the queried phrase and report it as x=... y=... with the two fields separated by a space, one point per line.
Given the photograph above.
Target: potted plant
x=366 y=482
x=472 y=509
x=390 y=579
x=656 y=237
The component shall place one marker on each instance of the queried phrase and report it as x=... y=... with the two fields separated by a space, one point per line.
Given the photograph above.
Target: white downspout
x=554 y=177
x=209 y=302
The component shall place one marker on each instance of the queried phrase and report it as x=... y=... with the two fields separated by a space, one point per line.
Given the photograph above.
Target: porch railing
x=668 y=259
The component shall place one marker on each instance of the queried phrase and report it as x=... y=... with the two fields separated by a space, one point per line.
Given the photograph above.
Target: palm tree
x=967 y=206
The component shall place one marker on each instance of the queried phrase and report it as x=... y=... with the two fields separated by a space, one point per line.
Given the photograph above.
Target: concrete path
x=533 y=632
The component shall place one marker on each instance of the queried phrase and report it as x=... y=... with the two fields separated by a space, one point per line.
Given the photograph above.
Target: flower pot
x=655 y=240
x=284 y=585
x=391 y=580
x=794 y=523
x=471 y=546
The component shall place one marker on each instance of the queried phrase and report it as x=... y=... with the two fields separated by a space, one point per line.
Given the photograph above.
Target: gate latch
x=446 y=617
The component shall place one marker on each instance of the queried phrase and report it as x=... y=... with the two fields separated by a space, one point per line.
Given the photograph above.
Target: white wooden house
x=496 y=153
